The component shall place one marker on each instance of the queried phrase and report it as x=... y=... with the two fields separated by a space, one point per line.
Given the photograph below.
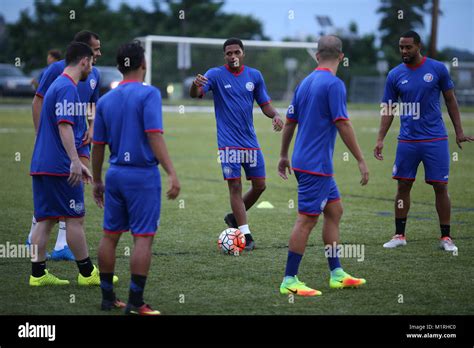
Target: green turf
x=187 y=267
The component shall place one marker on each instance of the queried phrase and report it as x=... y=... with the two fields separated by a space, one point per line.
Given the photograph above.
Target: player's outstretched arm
x=453 y=111
x=347 y=134
x=195 y=90
x=286 y=137
x=272 y=113
x=36 y=111
x=98 y=190
x=385 y=123
x=78 y=171
x=158 y=145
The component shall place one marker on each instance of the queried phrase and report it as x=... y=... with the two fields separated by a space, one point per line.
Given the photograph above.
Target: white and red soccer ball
x=231 y=241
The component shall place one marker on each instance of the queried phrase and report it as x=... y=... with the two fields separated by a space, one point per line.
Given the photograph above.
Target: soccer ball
x=231 y=241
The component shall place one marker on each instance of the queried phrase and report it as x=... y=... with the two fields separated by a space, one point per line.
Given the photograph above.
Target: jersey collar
x=235 y=73
x=127 y=81
x=418 y=65
x=323 y=69
x=70 y=78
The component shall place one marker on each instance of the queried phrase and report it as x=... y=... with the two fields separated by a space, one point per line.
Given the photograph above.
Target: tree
x=399 y=16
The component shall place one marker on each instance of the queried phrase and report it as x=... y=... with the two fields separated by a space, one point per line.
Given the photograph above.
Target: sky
x=456 y=25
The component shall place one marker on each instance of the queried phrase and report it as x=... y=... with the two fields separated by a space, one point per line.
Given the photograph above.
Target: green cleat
x=343 y=280
x=292 y=285
x=93 y=279
x=47 y=279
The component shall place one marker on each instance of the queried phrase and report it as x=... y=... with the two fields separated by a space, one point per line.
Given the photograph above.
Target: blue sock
x=292 y=264
x=333 y=259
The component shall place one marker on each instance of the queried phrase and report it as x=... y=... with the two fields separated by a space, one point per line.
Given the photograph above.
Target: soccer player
x=52 y=57
x=129 y=120
x=57 y=172
x=235 y=87
x=88 y=93
x=319 y=111
x=417 y=83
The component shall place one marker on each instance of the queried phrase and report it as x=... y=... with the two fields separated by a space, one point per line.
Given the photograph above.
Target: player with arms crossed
x=417 y=82
x=235 y=87
x=319 y=111
x=58 y=174
x=88 y=93
x=129 y=120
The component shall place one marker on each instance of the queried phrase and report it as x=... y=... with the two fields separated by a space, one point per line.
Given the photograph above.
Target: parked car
x=13 y=82
x=109 y=78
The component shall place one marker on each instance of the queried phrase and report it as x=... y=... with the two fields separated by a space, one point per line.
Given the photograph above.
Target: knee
x=235 y=186
x=440 y=188
x=259 y=186
x=404 y=187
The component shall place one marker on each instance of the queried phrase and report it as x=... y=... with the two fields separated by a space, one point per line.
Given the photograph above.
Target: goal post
x=287 y=55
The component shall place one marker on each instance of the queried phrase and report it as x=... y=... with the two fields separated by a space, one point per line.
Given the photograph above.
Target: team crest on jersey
x=93 y=83
x=250 y=86
x=428 y=77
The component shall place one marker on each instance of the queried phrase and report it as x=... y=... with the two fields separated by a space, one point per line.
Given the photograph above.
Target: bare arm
x=348 y=136
x=36 y=111
x=385 y=123
x=195 y=90
x=453 y=111
x=287 y=136
x=98 y=153
x=78 y=171
x=158 y=146
x=269 y=111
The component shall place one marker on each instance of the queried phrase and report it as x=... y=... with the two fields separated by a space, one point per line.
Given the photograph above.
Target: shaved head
x=329 y=47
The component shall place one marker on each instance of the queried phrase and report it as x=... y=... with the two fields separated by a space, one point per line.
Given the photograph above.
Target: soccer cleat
x=292 y=285
x=145 y=309
x=230 y=220
x=446 y=243
x=345 y=280
x=93 y=279
x=396 y=241
x=107 y=305
x=63 y=254
x=250 y=245
x=47 y=279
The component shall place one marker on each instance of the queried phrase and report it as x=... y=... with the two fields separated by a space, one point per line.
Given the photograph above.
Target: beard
x=408 y=59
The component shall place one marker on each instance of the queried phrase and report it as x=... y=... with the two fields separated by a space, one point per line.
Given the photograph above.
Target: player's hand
x=174 y=187
x=79 y=172
x=98 y=193
x=284 y=165
x=277 y=123
x=364 y=173
x=461 y=138
x=200 y=80
x=88 y=136
x=378 y=150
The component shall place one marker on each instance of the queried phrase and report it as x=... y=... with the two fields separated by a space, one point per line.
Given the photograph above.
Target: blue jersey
x=234 y=95
x=123 y=117
x=418 y=89
x=319 y=101
x=61 y=105
x=88 y=90
x=40 y=76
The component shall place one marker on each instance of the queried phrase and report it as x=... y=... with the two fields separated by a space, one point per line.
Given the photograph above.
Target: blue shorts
x=433 y=154
x=232 y=159
x=314 y=192
x=132 y=200
x=54 y=198
x=84 y=151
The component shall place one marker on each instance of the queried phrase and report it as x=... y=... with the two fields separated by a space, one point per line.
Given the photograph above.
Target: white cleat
x=447 y=244
x=396 y=241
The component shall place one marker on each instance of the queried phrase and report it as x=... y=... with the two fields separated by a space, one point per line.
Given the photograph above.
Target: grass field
x=189 y=275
